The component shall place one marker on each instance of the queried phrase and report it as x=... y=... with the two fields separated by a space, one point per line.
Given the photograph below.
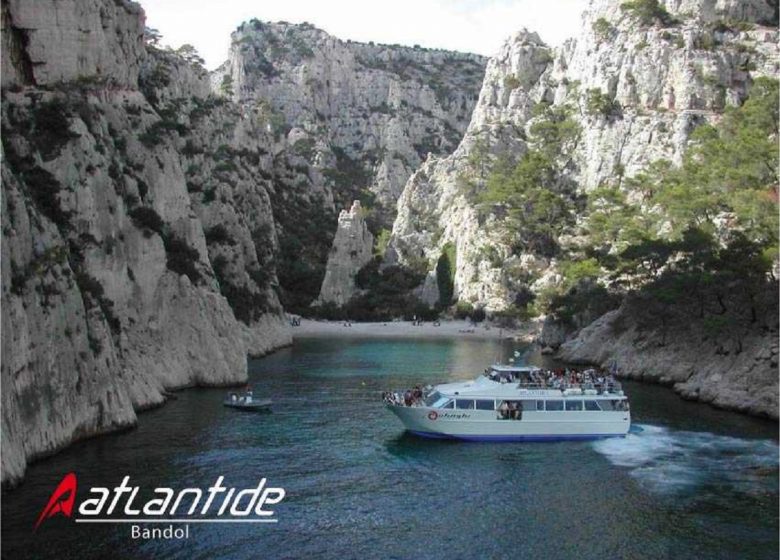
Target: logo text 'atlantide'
x=191 y=504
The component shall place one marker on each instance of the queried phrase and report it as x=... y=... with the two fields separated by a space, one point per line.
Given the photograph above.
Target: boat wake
x=670 y=461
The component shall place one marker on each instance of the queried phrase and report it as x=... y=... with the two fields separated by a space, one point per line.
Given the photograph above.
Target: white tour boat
x=510 y=403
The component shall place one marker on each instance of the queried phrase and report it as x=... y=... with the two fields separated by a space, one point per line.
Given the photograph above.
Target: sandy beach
x=405 y=329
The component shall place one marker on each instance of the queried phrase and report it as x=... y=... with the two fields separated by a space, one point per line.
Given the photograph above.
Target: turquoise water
x=695 y=483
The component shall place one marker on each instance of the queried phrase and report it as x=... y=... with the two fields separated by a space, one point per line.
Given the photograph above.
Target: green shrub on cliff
x=445 y=274
x=602 y=29
x=598 y=103
x=226 y=86
x=52 y=127
x=648 y=12
x=387 y=296
x=533 y=198
x=181 y=258
x=699 y=238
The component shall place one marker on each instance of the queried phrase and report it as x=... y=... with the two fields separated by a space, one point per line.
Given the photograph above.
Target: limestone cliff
x=379 y=108
x=352 y=248
x=738 y=372
x=662 y=80
x=137 y=228
x=635 y=90
x=351 y=121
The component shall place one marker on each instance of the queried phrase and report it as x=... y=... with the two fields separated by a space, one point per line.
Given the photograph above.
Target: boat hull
x=478 y=425
x=255 y=406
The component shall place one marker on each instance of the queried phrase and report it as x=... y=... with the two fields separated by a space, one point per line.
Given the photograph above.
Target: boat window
x=440 y=402
x=539 y=405
x=464 y=404
x=486 y=405
x=610 y=404
x=554 y=405
x=592 y=405
x=431 y=399
x=573 y=405
x=450 y=404
x=529 y=405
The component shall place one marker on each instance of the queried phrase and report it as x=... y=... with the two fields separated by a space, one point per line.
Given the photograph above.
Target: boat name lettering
x=455 y=415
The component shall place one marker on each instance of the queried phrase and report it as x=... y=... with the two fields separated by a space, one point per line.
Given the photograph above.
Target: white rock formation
x=698 y=367
x=117 y=284
x=385 y=107
x=348 y=121
x=665 y=79
x=48 y=42
x=352 y=249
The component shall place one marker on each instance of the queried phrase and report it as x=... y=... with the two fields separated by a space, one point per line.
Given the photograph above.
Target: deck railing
x=606 y=387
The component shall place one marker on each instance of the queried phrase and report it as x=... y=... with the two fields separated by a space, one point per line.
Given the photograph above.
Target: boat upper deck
x=485 y=387
x=504 y=383
x=511 y=380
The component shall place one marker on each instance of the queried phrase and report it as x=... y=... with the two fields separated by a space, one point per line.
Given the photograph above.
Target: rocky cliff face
x=49 y=42
x=662 y=80
x=350 y=121
x=352 y=248
x=635 y=90
x=740 y=374
x=137 y=228
x=379 y=109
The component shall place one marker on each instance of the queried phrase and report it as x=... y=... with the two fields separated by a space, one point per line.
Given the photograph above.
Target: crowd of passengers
x=588 y=380
x=562 y=379
x=411 y=397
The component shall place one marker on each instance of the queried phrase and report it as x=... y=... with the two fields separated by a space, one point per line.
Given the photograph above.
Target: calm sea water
x=696 y=483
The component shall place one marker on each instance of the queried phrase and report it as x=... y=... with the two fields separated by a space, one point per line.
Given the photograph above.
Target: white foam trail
x=670 y=461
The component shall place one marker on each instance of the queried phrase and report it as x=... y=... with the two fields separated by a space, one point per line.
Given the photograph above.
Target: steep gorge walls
x=351 y=121
x=636 y=164
x=138 y=238
x=629 y=90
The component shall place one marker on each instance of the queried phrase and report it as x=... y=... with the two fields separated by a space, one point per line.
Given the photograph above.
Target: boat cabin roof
x=484 y=387
x=501 y=368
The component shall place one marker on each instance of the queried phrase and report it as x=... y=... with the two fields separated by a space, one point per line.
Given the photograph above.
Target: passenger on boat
x=408 y=398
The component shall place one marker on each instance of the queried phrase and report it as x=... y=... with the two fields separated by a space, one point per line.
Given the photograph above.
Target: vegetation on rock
x=697 y=240
x=445 y=274
x=648 y=12
x=533 y=197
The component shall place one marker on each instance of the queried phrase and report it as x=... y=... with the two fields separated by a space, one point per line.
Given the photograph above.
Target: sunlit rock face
x=349 y=121
x=48 y=42
x=384 y=107
x=352 y=249
x=665 y=79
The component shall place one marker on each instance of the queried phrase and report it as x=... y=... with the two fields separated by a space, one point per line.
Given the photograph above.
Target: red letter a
x=62 y=499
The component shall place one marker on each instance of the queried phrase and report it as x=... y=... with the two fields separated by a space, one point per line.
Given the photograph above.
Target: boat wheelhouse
x=517 y=403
